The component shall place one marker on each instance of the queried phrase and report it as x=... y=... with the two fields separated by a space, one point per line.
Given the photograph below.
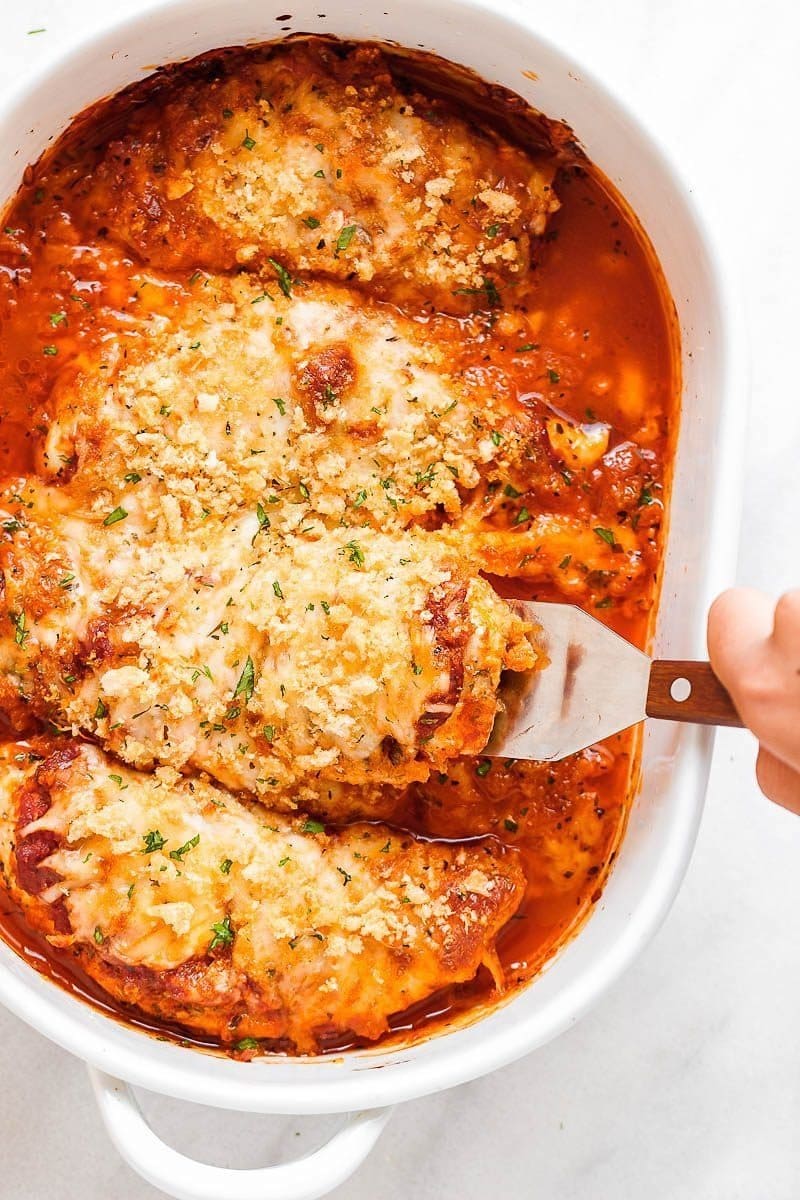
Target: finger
x=739 y=624
x=778 y=781
x=787 y=622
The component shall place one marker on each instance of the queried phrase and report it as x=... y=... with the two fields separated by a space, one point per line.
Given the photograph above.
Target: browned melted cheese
x=304 y=366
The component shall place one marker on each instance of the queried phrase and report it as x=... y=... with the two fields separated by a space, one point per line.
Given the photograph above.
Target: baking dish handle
x=183 y=1178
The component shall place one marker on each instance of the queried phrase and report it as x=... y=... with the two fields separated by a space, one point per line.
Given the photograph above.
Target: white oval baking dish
x=503 y=47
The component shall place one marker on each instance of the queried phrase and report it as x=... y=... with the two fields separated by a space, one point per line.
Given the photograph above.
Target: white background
x=685 y=1081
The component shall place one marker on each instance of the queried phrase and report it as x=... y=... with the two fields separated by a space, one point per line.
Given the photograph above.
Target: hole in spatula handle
x=689 y=691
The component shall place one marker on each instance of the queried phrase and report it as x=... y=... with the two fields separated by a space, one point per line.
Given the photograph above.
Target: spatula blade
x=595 y=684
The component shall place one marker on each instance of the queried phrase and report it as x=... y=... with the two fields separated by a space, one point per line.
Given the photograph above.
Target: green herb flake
x=284 y=278
x=98 y=935
x=310 y=826
x=566 y=560
x=246 y=1043
x=185 y=848
x=346 y=878
x=100 y=711
x=356 y=554
x=246 y=682
x=553 y=376
x=153 y=841
x=269 y=733
x=496 y=437
x=57 y=318
x=522 y=516
x=133 y=477
x=359 y=499
x=21 y=633
x=319 y=174
x=119 y=514
x=345 y=238
x=223 y=934
x=483 y=768
x=605 y=535
x=311 y=222
x=511 y=492
x=50 y=351
x=248 y=143
x=225 y=866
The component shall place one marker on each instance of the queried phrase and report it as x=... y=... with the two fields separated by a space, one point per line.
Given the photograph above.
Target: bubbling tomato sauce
x=605 y=355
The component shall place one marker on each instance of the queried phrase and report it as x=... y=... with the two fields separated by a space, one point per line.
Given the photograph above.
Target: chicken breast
x=334 y=409
x=200 y=909
x=277 y=664
x=310 y=157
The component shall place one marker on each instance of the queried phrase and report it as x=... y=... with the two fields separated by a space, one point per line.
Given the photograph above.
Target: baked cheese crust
x=277 y=664
x=307 y=157
x=200 y=908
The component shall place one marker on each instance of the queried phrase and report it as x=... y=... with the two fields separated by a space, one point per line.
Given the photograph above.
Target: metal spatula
x=595 y=684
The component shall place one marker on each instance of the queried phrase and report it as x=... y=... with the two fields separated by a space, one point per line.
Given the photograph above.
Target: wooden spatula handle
x=707 y=702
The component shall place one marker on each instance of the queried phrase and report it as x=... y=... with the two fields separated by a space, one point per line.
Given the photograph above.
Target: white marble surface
x=685 y=1081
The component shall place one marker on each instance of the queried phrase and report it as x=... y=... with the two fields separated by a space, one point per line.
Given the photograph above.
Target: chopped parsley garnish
x=269 y=733
x=262 y=518
x=526 y=346
x=356 y=554
x=511 y=492
x=284 y=278
x=606 y=602
x=511 y=825
x=553 y=376
x=67 y=581
x=310 y=826
x=345 y=237
x=416 y=668
x=57 y=318
x=645 y=497
x=492 y=231
x=227 y=113
x=247 y=1043
x=566 y=560
x=605 y=535
x=319 y=174
x=483 y=768
x=98 y=935
x=223 y=934
x=101 y=711
x=248 y=142
x=346 y=878
x=133 y=477
x=488 y=289
x=185 y=848
x=246 y=681
x=311 y=222
x=153 y=841
x=225 y=866
x=50 y=350
x=522 y=516
x=360 y=497
x=283 y=861
x=117 y=779
x=319 y=146
x=21 y=633
x=496 y=437
x=119 y=514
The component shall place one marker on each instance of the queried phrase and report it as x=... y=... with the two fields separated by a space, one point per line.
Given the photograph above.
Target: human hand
x=754 y=647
